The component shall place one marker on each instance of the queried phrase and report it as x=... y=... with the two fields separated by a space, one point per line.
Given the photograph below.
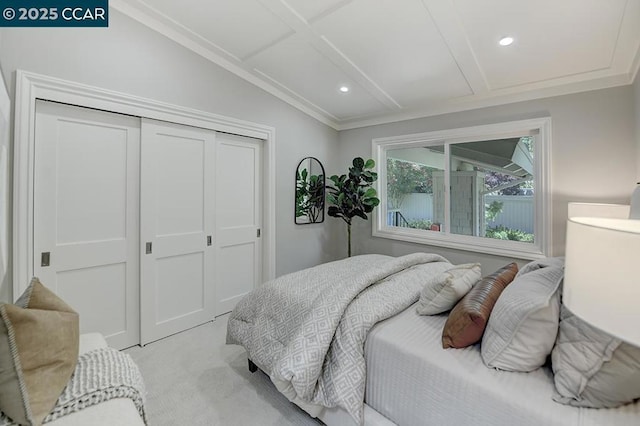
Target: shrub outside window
x=483 y=188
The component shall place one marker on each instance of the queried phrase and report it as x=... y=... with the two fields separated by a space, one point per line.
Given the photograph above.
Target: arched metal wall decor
x=310 y=188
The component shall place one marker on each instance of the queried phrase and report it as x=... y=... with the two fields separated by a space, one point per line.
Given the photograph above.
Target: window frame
x=541 y=247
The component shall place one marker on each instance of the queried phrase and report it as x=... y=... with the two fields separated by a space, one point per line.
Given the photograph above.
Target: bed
x=394 y=370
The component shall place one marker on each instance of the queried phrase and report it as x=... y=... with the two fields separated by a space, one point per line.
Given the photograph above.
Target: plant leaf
x=371 y=192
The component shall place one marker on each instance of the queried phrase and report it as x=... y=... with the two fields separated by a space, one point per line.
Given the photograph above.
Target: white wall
x=636 y=92
x=5 y=151
x=130 y=58
x=594 y=158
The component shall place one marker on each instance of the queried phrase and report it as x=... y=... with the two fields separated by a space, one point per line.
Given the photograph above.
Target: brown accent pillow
x=39 y=339
x=468 y=319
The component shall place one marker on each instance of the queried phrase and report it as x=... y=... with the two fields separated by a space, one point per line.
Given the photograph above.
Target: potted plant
x=352 y=195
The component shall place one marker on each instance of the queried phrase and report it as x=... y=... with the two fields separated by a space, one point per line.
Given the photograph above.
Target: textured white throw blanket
x=100 y=375
x=307 y=329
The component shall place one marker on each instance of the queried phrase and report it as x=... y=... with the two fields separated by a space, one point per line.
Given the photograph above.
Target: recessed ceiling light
x=344 y=89
x=505 y=41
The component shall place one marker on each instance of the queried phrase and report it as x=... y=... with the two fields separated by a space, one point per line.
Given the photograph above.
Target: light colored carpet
x=194 y=378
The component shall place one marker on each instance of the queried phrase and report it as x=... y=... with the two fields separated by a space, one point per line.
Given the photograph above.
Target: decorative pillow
x=523 y=326
x=469 y=317
x=441 y=292
x=592 y=368
x=39 y=338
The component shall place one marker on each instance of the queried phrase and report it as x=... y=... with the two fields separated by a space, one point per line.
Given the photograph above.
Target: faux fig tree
x=352 y=195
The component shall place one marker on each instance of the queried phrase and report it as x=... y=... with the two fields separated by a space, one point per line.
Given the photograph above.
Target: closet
x=145 y=227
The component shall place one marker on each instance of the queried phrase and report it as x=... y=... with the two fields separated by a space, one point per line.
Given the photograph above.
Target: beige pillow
x=443 y=291
x=39 y=338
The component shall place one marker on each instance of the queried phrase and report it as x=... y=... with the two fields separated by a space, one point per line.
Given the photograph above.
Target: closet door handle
x=209 y=241
x=45 y=259
x=148 y=248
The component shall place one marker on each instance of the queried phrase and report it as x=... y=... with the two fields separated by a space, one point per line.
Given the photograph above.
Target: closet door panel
x=93 y=208
x=174 y=300
x=237 y=275
x=238 y=218
x=176 y=219
x=86 y=210
x=180 y=186
x=104 y=284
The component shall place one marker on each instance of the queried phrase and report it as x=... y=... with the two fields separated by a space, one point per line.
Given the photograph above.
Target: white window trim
x=514 y=249
x=31 y=86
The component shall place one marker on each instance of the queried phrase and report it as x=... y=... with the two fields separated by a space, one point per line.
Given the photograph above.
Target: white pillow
x=523 y=325
x=444 y=290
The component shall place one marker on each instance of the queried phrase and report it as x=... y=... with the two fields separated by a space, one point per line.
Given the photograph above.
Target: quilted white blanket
x=307 y=329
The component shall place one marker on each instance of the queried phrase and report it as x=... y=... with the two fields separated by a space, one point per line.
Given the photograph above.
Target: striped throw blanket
x=100 y=375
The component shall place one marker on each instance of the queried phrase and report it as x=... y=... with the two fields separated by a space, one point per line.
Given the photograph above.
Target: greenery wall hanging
x=352 y=195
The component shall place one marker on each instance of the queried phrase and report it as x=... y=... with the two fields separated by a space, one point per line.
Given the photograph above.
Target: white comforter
x=307 y=329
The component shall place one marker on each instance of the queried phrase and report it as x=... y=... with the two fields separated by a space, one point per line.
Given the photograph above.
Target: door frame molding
x=32 y=86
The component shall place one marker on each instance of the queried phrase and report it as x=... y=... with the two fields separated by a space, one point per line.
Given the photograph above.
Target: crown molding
x=492 y=99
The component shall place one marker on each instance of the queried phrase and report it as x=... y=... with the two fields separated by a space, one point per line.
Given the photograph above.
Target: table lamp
x=602 y=271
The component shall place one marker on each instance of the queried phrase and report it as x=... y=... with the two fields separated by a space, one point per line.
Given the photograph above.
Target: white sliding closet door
x=177 y=288
x=86 y=210
x=238 y=218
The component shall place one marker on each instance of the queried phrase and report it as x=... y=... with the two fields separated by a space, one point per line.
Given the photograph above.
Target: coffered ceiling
x=403 y=59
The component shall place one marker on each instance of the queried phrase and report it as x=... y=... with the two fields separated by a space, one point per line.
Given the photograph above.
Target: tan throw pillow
x=469 y=317
x=442 y=291
x=39 y=338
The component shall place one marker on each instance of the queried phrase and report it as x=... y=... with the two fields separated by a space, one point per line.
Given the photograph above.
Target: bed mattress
x=411 y=380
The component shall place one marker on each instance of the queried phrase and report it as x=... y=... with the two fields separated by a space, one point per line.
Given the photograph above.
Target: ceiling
x=404 y=59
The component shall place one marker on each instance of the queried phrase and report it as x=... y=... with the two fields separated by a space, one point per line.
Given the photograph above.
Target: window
x=483 y=188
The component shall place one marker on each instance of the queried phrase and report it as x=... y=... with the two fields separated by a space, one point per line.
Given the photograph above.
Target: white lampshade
x=602 y=274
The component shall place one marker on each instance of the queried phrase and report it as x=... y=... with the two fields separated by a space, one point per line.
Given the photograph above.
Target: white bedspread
x=307 y=329
x=413 y=381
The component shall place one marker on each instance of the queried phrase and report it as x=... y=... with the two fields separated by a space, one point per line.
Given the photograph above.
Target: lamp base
x=634 y=213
